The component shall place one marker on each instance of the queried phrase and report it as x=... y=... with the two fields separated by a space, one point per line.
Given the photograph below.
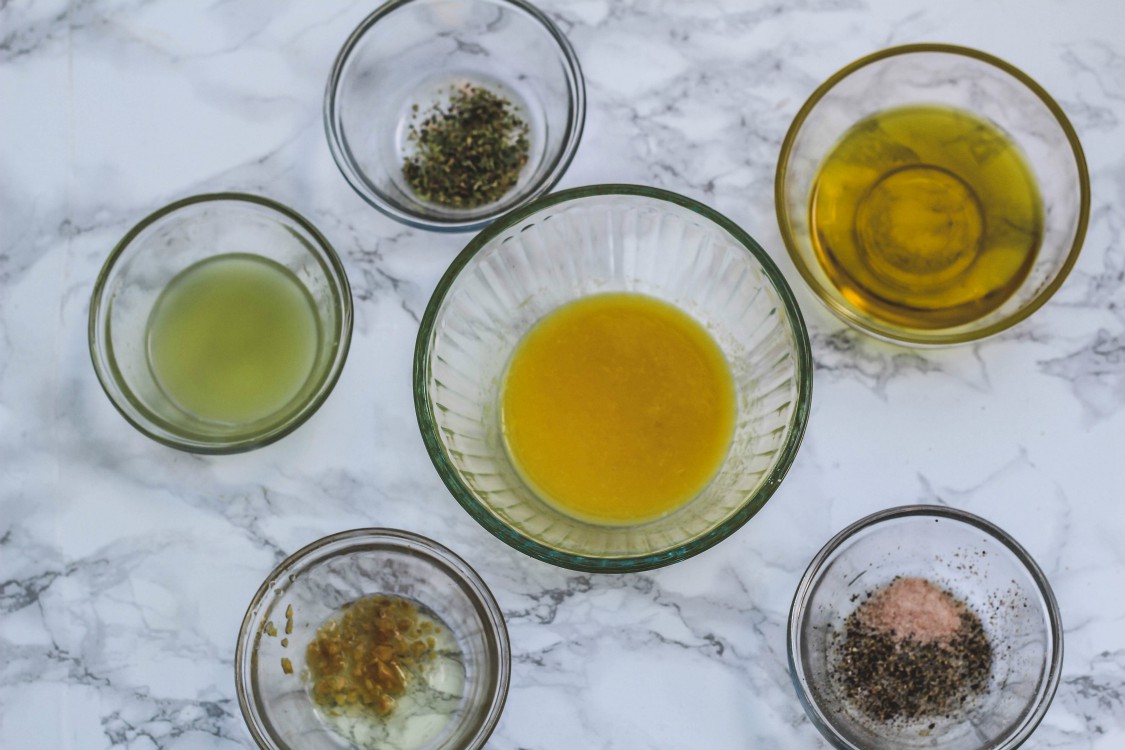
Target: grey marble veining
x=125 y=567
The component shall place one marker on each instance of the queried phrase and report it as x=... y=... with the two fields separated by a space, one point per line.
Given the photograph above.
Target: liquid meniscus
x=926 y=216
x=233 y=338
x=618 y=408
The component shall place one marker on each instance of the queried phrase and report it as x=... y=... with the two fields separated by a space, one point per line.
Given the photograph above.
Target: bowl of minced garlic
x=924 y=626
x=375 y=637
x=367 y=658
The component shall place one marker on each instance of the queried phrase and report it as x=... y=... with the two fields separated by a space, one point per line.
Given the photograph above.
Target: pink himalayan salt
x=913 y=608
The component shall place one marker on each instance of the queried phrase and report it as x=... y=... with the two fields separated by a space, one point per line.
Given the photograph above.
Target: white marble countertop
x=125 y=567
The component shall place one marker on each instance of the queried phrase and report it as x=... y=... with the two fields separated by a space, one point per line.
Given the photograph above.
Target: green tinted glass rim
x=932 y=338
x=625 y=563
x=109 y=375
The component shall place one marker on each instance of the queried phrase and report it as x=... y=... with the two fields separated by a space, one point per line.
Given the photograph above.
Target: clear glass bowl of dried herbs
x=444 y=114
x=924 y=626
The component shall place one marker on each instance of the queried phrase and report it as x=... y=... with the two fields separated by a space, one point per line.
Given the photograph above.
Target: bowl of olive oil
x=932 y=194
x=220 y=323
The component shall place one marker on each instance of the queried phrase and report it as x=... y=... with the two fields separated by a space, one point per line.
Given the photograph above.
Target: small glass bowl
x=979 y=564
x=408 y=54
x=609 y=238
x=967 y=80
x=171 y=240
x=320 y=579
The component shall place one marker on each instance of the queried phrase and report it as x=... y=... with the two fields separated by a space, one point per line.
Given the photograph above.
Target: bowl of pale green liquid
x=220 y=323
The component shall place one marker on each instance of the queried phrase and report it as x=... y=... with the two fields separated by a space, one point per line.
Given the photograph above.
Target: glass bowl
x=224 y=239
x=969 y=81
x=406 y=56
x=313 y=585
x=981 y=566
x=589 y=240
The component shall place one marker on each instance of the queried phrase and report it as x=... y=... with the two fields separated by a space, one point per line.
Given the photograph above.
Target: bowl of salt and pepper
x=920 y=626
x=924 y=626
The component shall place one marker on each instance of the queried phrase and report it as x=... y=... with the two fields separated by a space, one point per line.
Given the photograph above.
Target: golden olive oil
x=618 y=408
x=926 y=216
x=232 y=339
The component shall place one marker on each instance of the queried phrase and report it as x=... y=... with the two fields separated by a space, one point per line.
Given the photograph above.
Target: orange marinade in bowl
x=618 y=408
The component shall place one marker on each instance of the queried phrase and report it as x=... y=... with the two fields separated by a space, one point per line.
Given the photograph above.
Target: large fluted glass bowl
x=585 y=241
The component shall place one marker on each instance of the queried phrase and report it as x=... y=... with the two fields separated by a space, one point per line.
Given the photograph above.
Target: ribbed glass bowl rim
x=575 y=123
x=935 y=338
x=628 y=563
x=416 y=545
x=816 y=569
x=339 y=276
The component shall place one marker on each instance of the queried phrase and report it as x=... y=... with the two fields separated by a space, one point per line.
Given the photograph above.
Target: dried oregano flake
x=469 y=152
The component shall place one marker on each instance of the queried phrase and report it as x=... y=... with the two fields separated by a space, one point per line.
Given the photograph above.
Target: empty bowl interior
x=980 y=566
x=407 y=56
x=586 y=242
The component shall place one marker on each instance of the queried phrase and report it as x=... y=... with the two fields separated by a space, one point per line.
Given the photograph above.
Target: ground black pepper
x=890 y=677
x=468 y=153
